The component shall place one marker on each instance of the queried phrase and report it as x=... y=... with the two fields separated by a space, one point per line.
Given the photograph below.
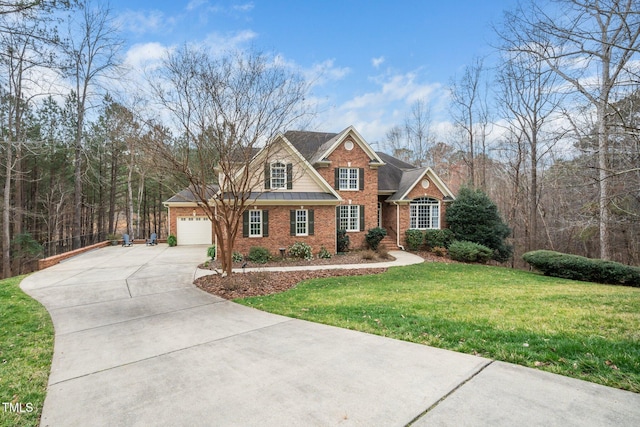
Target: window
x=278 y=175
x=348 y=179
x=255 y=223
x=424 y=214
x=302 y=222
x=302 y=227
x=349 y=217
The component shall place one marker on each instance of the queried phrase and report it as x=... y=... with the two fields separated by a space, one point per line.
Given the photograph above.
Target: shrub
x=414 y=239
x=439 y=251
x=172 y=240
x=301 y=250
x=324 y=253
x=575 y=267
x=237 y=257
x=438 y=238
x=211 y=251
x=368 y=254
x=383 y=253
x=475 y=218
x=343 y=241
x=469 y=252
x=374 y=236
x=259 y=255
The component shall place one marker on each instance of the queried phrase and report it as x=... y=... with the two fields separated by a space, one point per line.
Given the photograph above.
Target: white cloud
x=145 y=55
x=246 y=7
x=218 y=42
x=139 y=22
x=195 y=4
x=377 y=62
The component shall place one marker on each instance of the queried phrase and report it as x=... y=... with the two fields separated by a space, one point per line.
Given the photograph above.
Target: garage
x=194 y=230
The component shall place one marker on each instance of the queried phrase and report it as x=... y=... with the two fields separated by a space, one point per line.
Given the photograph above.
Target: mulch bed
x=241 y=285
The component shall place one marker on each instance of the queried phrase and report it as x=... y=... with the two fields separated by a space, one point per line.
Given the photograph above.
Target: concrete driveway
x=138 y=345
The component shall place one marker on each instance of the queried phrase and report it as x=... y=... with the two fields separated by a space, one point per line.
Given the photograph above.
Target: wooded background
x=555 y=145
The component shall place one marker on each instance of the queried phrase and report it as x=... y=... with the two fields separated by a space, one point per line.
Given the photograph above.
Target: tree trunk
x=6 y=215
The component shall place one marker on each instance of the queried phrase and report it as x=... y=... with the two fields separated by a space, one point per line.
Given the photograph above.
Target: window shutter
x=311 y=222
x=361 y=217
x=337 y=217
x=361 y=178
x=267 y=176
x=289 y=176
x=337 y=175
x=292 y=222
x=265 y=223
x=245 y=224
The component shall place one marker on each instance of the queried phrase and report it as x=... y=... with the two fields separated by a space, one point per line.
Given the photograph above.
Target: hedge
x=576 y=267
x=469 y=252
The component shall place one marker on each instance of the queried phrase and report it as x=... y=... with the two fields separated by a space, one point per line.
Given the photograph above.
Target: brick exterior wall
x=279 y=231
x=417 y=192
x=355 y=158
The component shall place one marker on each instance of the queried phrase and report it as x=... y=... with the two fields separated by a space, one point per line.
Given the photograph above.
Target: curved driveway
x=137 y=344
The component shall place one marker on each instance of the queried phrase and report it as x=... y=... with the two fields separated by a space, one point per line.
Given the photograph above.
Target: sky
x=369 y=61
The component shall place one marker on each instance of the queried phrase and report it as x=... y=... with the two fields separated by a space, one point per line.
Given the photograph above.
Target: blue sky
x=374 y=58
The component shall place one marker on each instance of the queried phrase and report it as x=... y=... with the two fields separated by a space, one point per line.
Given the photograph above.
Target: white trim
x=358 y=139
x=436 y=180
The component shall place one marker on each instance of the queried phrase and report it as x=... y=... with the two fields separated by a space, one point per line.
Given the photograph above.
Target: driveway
x=137 y=344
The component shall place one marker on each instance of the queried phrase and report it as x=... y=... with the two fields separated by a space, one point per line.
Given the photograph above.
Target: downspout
x=215 y=233
x=398 y=226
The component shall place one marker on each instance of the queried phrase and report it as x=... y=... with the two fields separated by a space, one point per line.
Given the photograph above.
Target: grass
x=26 y=349
x=581 y=330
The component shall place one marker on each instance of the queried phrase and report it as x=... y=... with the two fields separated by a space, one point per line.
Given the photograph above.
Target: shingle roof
x=309 y=143
x=188 y=195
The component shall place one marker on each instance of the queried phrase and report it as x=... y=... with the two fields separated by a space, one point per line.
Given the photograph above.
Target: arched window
x=278 y=175
x=425 y=214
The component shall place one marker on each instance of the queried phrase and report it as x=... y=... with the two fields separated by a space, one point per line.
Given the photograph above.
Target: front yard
x=577 y=329
x=26 y=349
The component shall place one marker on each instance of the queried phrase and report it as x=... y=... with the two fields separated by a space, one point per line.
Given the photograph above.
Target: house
x=317 y=183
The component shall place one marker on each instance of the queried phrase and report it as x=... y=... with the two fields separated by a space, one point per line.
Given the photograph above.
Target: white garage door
x=194 y=230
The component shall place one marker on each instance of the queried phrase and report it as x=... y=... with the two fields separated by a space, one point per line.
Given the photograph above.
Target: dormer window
x=278 y=175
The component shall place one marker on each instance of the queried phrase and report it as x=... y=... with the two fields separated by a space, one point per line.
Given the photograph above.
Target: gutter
x=398 y=226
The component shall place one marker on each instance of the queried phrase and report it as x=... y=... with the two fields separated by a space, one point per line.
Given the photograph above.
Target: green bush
x=301 y=250
x=237 y=257
x=343 y=241
x=324 y=253
x=438 y=238
x=576 y=267
x=475 y=218
x=414 y=239
x=374 y=236
x=259 y=255
x=469 y=252
x=172 y=240
x=211 y=251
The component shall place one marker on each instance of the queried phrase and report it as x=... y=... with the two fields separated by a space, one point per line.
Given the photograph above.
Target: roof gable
x=316 y=147
x=411 y=178
x=270 y=152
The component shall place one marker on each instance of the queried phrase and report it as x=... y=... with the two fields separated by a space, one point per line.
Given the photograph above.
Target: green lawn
x=577 y=329
x=26 y=348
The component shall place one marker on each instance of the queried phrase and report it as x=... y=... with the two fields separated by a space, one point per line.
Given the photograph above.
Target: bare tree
x=23 y=41
x=225 y=108
x=469 y=109
x=591 y=44
x=91 y=54
x=529 y=101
